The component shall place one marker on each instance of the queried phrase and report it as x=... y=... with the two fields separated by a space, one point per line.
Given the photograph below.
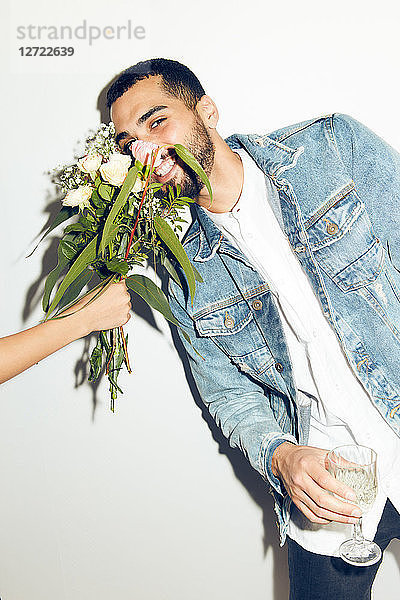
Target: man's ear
x=208 y=111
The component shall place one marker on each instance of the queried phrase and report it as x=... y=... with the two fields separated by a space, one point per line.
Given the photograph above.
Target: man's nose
x=147 y=136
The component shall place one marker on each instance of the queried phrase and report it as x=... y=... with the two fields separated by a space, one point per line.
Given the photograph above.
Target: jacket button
x=229 y=321
x=279 y=367
x=332 y=228
x=256 y=304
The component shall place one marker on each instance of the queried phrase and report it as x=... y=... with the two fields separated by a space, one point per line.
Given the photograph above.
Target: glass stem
x=357 y=532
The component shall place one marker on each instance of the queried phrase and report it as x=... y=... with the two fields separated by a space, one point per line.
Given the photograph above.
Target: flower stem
x=113 y=344
x=126 y=356
x=141 y=202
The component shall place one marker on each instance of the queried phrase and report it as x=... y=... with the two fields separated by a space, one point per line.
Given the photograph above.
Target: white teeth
x=165 y=166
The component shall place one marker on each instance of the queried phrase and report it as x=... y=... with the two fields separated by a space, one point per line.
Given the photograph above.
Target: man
x=297 y=317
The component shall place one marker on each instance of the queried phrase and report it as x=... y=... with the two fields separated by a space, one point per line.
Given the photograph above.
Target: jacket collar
x=273 y=158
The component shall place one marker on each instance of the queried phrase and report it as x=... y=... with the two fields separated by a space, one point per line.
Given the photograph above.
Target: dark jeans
x=317 y=577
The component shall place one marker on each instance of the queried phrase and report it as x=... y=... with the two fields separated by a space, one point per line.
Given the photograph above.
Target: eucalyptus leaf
x=75 y=288
x=117 y=265
x=172 y=271
x=152 y=294
x=84 y=259
x=78 y=227
x=96 y=360
x=186 y=199
x=104 y=341
x=106 y=191
x=155 y=298
x=96 y=199
x=52 y=279
x=65 y=213
x=170 y=239
x=197 y=274
x=110 y=231
x=190 y=160
x=68 y=248
x=123 y=244
x=87 y=224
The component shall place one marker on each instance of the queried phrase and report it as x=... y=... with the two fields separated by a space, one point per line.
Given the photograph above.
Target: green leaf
x=52 y=279
x=75 y=288
x=123 y=244
x=87 y=224
x=74 y=227
x=68 y=249
x=110 y=231
x=152 y=294
x=155 y=187
x=190 y=160
x=106 y=191
x=185 y=199
x=104 y=341
x=96 y=199
x=84 y=259
x=172 y=271
x=155 y=297
x=117 y=265
x=197 y=274
x=65 y=213
x=170 y=239
x=96 y=360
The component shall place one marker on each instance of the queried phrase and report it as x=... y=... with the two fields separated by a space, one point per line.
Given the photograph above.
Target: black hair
x=177 y=80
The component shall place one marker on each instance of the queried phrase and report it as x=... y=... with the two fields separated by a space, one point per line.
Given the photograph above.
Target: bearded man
x=297 y=317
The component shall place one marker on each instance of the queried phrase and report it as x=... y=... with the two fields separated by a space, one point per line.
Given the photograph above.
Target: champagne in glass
x=356 y=467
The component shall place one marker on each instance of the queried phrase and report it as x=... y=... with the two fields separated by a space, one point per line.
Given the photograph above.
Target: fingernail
x=356 y=513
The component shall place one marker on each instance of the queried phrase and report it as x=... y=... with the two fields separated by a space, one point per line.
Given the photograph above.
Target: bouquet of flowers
x=122 y=218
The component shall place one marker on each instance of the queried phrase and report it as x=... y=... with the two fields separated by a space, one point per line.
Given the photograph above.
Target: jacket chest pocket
x=234 y=329
x=343 y=242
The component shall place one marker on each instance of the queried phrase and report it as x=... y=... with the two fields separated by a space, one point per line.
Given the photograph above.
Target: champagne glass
x=356 y=467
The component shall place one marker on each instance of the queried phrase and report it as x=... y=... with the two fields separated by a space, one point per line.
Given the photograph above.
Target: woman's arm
x=22 y=350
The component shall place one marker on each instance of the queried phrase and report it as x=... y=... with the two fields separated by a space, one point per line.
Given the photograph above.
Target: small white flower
x=139 y=185
x=78 y=197
x=90 y=163
x=116 y=169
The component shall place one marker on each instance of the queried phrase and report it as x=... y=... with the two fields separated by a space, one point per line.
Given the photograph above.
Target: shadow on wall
x=250 y=479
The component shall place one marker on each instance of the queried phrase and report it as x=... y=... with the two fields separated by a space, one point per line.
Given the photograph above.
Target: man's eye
x=157 y=122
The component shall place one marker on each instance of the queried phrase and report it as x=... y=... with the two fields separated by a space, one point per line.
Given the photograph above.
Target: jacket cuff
x=270 y=444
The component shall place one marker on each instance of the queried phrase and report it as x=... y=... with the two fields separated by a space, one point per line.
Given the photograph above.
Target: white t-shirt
x=342 y=412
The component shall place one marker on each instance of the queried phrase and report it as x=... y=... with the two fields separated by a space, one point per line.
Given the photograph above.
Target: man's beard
x=200 y=144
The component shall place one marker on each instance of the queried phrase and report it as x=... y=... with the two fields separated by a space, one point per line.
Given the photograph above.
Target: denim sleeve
x=375 y=169
x=238 y=404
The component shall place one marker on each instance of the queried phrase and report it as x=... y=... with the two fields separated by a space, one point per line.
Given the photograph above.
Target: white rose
x=78 y=197
x=90 y=163
x=124 y=159
x=116 y=169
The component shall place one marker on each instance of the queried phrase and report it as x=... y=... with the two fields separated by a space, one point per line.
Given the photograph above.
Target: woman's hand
x=22 y=350
x=110 y=309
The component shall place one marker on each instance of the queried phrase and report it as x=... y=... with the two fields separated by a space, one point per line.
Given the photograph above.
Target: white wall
x=147 y=503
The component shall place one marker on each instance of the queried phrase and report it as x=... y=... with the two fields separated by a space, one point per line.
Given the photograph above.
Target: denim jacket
x=339 y=206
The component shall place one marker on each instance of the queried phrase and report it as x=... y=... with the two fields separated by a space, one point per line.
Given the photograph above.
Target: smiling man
x=297 y=317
